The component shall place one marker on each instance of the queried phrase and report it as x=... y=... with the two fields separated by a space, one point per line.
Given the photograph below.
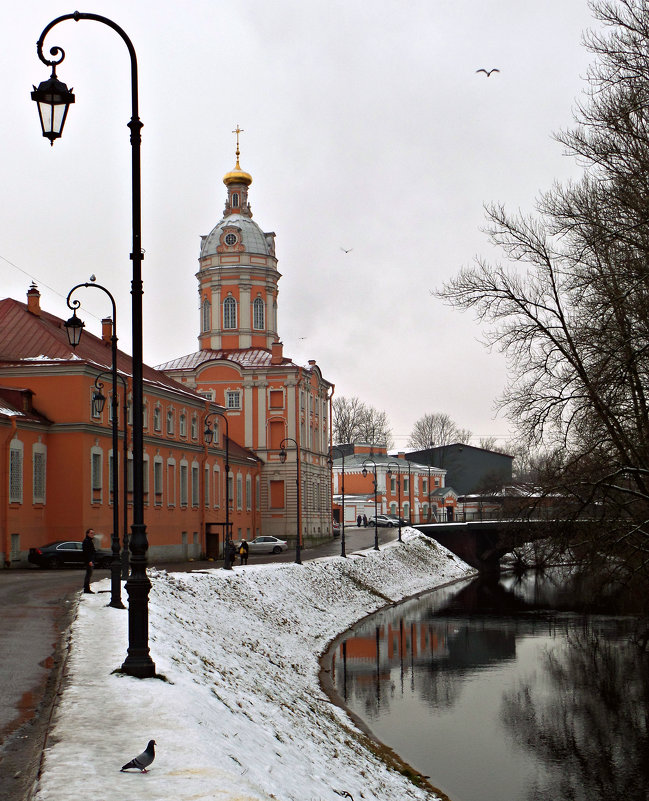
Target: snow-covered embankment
x=242 y=714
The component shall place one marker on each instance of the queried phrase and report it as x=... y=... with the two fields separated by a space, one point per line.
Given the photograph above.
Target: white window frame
x=96 y=474
x=157 y=419
x=184 y=483
x=206 y=316
x=196 y=485
x=229 y=313
x=258 y=313
x=16 y=480
x=182 y=424
x=158 y=480
x=233 y=399
x=170 y=422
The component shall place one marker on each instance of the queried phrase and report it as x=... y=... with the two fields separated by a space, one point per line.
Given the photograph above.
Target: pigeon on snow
x=143 y=760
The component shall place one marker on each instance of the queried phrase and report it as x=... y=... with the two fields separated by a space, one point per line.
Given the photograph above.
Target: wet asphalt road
x=37 y=607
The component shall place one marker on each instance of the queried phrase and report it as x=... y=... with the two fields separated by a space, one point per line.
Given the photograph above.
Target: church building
x=275 y=407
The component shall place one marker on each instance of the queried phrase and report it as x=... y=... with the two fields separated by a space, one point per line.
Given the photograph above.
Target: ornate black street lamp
x=389 y=472
x=74 y=328
x=138 y=661
x=208 y=436
x=99 y=401
x=282 y=456
x=330 y=462
x=376 y=494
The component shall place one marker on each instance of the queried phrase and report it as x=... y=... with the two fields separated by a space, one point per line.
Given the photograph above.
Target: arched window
x=206 y=322
x=229 y=312
x=235 y=200
x=258 y=314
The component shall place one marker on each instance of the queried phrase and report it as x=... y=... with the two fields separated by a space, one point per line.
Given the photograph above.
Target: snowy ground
x=242 y=714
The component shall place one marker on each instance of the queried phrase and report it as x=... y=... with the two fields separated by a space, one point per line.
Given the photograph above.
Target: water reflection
x=591 y=723
x=497 y=691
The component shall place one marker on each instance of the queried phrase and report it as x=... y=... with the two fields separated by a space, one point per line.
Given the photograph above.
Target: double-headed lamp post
x=54 y=99
x=208 y=436
x=99 y=401
x=389 y=472
x=74 y=328
x=330 y=462
x=376 y=494
x=282 y=457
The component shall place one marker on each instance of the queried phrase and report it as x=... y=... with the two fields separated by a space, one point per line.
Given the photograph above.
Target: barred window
x=195 y=485
x=38 y=473
x=258 y=314
x=16 y=472
x=184 y=484
x=229 y=313
x=206 y=321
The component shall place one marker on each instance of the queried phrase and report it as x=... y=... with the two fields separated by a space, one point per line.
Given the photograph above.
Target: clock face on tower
x=230 y=239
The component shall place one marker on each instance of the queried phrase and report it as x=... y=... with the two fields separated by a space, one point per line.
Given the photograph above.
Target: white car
x=266 y=545
x=383 y=520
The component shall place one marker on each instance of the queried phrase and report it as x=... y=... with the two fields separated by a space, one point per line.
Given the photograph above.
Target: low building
x=404 y=488
x=468 y=469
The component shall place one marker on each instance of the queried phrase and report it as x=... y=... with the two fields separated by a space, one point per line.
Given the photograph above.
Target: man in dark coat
x=88 y=547
x=243 y=552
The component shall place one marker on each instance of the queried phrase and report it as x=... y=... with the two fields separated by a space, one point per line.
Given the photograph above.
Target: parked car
x=335 y=527
x=383 y=520
x=266 y=545
x=66 y=553
x=396 y=519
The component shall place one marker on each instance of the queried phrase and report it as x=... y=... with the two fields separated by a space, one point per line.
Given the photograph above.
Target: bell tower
x=237 y=274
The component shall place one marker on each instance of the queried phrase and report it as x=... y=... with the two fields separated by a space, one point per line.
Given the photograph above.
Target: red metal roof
x=28 y=338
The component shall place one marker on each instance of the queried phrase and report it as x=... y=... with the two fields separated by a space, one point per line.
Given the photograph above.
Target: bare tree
x=435 y=430
x=574 y=322
x=354 y=421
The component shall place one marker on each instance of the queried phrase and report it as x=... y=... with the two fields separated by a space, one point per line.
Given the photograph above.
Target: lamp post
x=376 y=492
x=330 y=462
x=74 y=328
x=53 y=105
x=389 y=472
x=208 y=436
x=99 y=401
x=282 y=456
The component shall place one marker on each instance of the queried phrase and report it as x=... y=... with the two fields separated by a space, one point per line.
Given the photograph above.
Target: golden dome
x=237 y=176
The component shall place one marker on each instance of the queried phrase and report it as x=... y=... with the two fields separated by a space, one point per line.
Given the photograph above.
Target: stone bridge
x=482 y=543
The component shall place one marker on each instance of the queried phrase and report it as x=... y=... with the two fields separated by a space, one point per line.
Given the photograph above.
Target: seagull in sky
x=488 y=72
x=346 y=250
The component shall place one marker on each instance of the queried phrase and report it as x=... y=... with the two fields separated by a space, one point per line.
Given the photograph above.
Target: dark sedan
x=66 y=553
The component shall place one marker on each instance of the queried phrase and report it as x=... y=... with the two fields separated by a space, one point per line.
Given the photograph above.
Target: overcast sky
x=366 y=127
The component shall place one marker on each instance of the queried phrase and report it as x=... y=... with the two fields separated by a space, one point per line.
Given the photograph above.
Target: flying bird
x=488 y=72
x=346 y=250
x=143 y=760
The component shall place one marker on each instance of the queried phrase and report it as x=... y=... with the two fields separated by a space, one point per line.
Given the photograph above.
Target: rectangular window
x=276 y=399
x=39 y=476
x=96 y=472
x=276 y=494
x=110 y=472
x=184 y=488
x=393 y=485
x=239 y=491
x=232 y=399
x=194 y=427
x=170 y=422
x=16 y=474
x=94 y=407
x=171 y=483
x=207 y=485
x=406 y=485
x=248 y=492
x=157 y=419
x=424 y=486
x=157 y=482
x=129 y=474
x=182 y=425
x=195 y=485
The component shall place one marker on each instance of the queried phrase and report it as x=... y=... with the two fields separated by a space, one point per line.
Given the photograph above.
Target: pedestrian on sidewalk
x=88 y=547
x=365 y=520
x=243 y=552
x=359 y=520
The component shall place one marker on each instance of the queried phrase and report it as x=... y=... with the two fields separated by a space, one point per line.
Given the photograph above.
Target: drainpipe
x=5 y=501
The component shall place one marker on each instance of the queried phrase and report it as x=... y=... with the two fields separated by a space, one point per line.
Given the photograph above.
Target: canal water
x=503 y=691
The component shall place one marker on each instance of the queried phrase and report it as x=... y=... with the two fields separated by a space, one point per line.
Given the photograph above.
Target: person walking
x=243 y=552
x=365 y=521
x=88 y=547
x=359 y=520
